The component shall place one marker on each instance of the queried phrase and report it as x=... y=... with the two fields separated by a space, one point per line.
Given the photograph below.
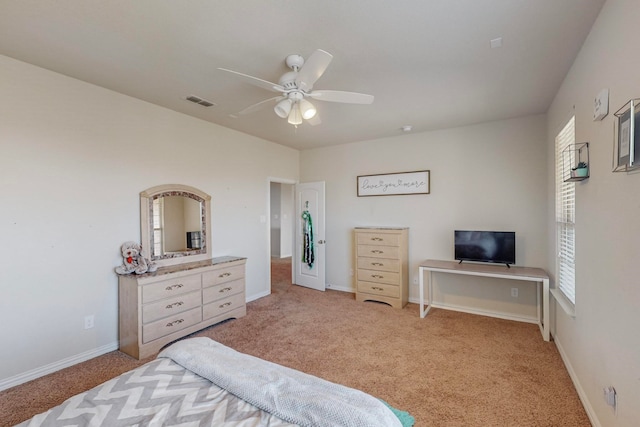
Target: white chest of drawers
x=158 y=308
x=382 y=272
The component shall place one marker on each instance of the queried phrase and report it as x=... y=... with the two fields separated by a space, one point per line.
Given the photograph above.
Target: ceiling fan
x=296 y=86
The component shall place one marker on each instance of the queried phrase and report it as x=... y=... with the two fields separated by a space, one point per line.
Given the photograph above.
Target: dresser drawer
x=169 y=306
x=222 y=306
x=378 y=239
x=380 y=264
x=170 y=288
x=222 y=275
x=379 y=276
x=380 y=289
x=224 y=290
x=170 y=324
x=379 y=251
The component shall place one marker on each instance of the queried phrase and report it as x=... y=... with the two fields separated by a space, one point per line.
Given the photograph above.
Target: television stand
x=530 y=274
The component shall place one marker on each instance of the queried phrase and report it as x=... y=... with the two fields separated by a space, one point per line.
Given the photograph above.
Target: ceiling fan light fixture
x=295 y=118
x=296 y=85
x=283 y=108
x=307 y=109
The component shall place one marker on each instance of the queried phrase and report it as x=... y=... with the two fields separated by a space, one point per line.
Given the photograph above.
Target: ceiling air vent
x=199 y=101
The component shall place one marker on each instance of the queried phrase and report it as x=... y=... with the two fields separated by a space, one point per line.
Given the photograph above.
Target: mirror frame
x=146 y=223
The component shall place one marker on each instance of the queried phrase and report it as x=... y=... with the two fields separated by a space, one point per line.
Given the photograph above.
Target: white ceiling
x=427 y=62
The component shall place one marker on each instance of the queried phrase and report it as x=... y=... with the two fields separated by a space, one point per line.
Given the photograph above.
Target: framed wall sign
x=394 y=184
x=627 y=141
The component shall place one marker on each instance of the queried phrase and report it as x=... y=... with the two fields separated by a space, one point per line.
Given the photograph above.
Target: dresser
x=158 y=308
x=382 y=272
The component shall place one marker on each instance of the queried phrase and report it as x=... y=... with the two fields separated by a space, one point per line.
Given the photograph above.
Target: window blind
x=565 y=217
x=158 y=215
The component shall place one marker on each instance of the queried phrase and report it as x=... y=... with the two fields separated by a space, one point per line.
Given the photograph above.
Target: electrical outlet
x=514 y=292
x=610 y=396
x=89 y=322
x=415 y=280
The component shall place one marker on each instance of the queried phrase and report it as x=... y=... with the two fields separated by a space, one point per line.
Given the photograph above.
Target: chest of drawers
x=382 y=265
x=158 y=308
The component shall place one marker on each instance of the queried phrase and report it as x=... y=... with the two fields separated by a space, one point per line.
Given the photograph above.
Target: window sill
x=566 y=305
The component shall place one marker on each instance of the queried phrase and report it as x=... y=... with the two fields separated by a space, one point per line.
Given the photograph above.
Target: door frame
x=268 y=226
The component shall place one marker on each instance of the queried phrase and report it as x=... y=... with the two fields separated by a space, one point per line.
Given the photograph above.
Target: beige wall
x=601 y=345
x=282 y=209
x=490 y=176
x=73 y=160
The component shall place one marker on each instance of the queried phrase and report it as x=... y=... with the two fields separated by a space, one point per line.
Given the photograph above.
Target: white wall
x=275 y=190
x=601 y=345
x=73 y=160
x=286 y=219
x=490 y=176
x=282 y=199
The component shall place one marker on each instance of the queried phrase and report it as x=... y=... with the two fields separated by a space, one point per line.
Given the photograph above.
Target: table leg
x=421 y=285
x=423 y=310
x=546 y=334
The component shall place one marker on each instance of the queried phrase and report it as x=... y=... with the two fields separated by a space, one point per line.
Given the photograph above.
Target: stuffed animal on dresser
x=134 y=261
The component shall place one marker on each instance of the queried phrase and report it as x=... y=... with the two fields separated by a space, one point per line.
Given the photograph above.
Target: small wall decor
x=626 y=146
x=394 y=184
x=601 y=105
x=575 y=162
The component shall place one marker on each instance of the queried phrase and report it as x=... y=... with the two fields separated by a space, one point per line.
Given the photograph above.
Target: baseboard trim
x=576 y=383
x=339 y=288
x=56 y=366
x=260 y=295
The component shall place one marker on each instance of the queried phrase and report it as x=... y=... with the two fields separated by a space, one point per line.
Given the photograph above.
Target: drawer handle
x=224 y=275
x=376 y=288
x=175 y=322
x=379 y=264
x=377 y=276
x=376 y=251
x=226 y=304
x=224 y=290
x=176 y=304
x=376 y=239
x=172 y=287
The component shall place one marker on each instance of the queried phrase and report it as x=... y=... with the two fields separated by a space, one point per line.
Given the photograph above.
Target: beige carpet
x=450 y=369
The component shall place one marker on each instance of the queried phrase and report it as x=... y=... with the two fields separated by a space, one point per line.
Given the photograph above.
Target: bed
x=200 y=382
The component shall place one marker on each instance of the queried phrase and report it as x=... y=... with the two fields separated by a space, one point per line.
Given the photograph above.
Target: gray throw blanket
x=291 y=395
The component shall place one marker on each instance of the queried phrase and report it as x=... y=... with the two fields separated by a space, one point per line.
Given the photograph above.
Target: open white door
x=309 y=271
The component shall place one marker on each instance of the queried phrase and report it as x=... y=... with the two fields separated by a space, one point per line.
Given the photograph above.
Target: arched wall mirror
x=174 y=224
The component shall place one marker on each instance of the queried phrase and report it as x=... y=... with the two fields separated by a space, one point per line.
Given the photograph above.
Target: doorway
x=281 y=205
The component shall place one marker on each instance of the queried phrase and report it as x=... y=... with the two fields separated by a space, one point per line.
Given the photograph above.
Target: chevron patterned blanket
x=159 y=393
x=165 y=392
x=293 y=396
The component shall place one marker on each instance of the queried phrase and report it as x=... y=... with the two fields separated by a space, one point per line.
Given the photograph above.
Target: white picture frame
x=394 y=184
x=627 y=137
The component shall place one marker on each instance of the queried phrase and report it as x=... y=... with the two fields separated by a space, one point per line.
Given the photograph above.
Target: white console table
x=537 y=275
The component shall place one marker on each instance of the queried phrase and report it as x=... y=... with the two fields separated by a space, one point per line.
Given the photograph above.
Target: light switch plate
x=601 y=105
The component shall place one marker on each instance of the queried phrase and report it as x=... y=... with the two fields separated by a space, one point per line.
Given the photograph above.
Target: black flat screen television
x=485 y=246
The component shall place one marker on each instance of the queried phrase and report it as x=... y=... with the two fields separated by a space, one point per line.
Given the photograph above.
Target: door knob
x=321 y=242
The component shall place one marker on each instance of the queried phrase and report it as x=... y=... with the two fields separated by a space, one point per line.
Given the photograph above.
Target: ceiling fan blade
x=341 y=96
x=255 y=107
x=274 y=87
x=312 y=69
